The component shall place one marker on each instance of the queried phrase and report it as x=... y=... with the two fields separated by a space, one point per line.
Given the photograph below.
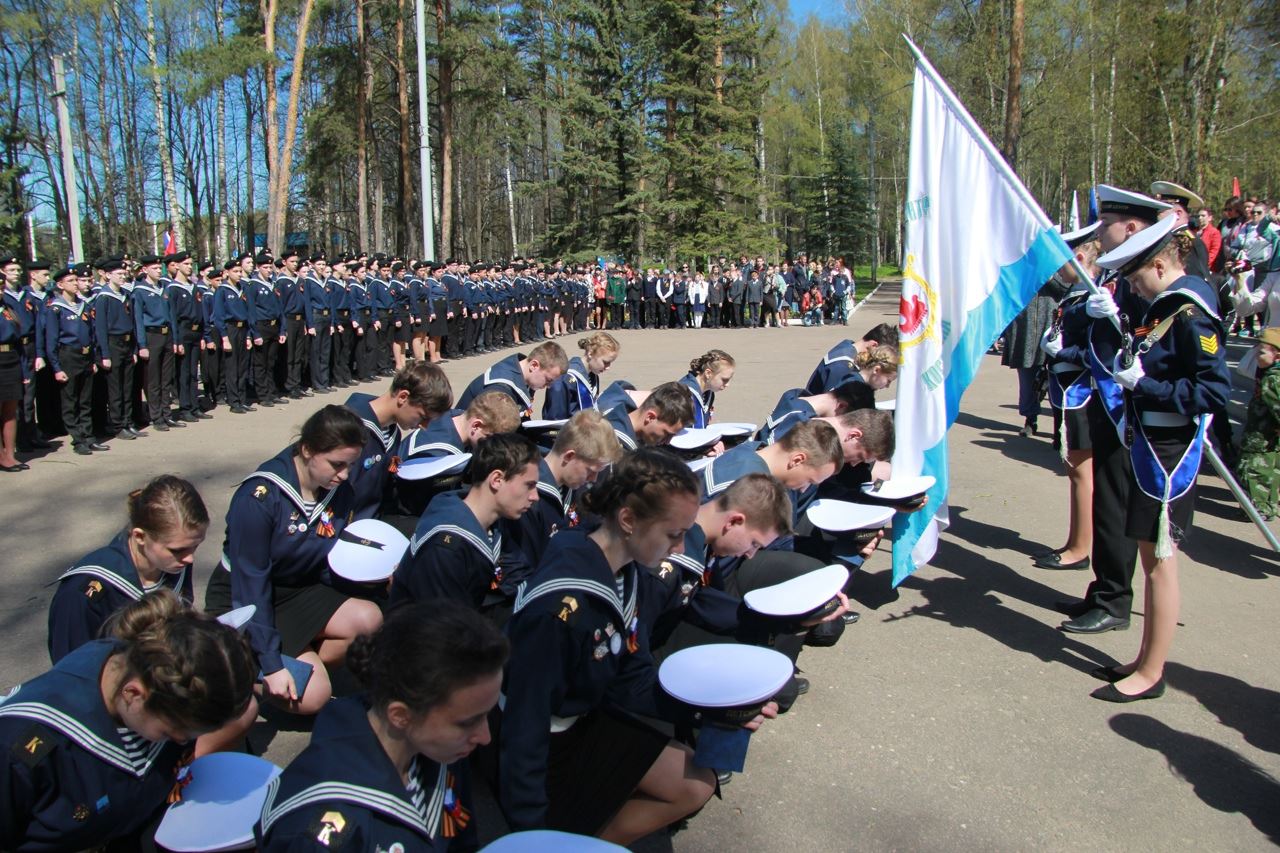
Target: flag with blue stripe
x=978 y=249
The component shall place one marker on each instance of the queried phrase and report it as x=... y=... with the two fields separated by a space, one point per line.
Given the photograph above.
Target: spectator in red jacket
x=1211 y=237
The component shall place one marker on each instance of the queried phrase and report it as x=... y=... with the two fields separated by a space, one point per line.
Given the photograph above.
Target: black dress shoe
x=281 y=399
x=1109 y=693
x=307 y=392
x=723 y=777
x=296 y=395
x=125 y=435
x=1074 y=609
x=1096 y=621
x=135 y=432
x=160 y=426
x=176 y=423
x=1040 y=555
x=17 y=466
x=203 y=416
x=851 y=616
x=97 y=445
x=82 y=450
x=187 y=418
x=1109 y=674
x=239 y=410
x=1054 y=561
x=267 y=403
x=802 y=686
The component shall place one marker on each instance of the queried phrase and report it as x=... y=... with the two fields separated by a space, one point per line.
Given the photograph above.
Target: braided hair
x=644 y=481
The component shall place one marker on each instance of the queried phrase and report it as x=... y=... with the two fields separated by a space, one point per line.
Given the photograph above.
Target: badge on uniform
x=1209 y=344
x=329 y=829
x=33 y=746
x=260 y=492
x=570 y=607
x=92 y=588
x=665 y=568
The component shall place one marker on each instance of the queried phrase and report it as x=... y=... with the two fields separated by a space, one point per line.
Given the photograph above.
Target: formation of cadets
x=107 y=350
x=514 y=641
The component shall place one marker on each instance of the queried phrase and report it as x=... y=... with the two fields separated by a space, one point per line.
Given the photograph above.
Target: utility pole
x=31 y=235
x=873 y=191
x=59 y=95
x=424 y=137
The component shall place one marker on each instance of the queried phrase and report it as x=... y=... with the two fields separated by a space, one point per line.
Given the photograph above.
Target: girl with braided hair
x=91 y=748
x=569 y=760
x=708 y=373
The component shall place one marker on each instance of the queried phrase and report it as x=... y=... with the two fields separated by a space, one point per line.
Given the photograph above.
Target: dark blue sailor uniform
x=68 y=342
x=343 y=793
x=619 y=417
x=451 y=556
x=576 y=644
x=790 y=411
x=525 y=538
x=573 y=392
x=704 y=402
x=834 y=367
x=275 y=538
x=75 y=779
x=677 y=590
x=507 y=377
x=370 y=473
x=436 y=439
x=729 y=466
x=94 y=588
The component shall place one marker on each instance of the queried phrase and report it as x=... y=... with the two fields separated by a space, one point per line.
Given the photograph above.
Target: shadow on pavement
x=1032 y=451
x=1231 y=554
x=1250 y=710
x=1221 y=779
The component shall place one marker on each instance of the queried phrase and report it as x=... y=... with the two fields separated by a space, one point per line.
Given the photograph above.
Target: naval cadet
x=92 y=747
x=837 y=364
x=114 y=337
x=232 y=329
x=320 y=323
x=267 y=316
x=663 y=413
x=708 y=373
x=186 y=318
x=520 y=377
x=387 y=770
x=68 y=339
x=579 y=387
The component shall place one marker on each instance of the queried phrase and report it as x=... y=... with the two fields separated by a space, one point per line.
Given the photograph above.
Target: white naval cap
x=800 y=595
x=1177 y=194
x=725 y=675
x=1128 y=203
x=435 y=466
x=221 y=799
x=1141 y=246
x=1081 y=235
x=367 y=550
x=550 y=841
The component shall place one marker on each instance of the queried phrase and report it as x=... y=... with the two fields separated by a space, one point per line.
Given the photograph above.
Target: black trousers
x=472 y=341
x=753 y=314
x=365 y=345
x=343 y=342
x=454 y=342
x=321 y=354
x=235 y=366
x=159 y=375
x=187 y=369
x=211 y=372
x=1114 y=553
x=296 y=351
x=265 y=355
x=118 y=381
x=76 y=394
x=382 y=345
x=713 y=316
x=681 y=317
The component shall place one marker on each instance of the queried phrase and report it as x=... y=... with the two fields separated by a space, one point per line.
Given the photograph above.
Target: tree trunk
x=251 y=227
x=363 y=82
x=111 y=229
x=404 y=210
x=1013 y=98
x=444 y=76
x=224 y=227
x=162 y=130
x=282 y=153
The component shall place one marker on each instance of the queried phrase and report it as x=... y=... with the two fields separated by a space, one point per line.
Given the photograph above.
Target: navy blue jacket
x=576 y=390
x=789 y=411
x=704 y=402
x=451 y=556
x=344 y=770
x=150 y=310
x=272 y=538
x=292 y=295
x=98 y=585
x=370 y=473
x=505 y=376
x=112 y=317
x=834 y=367
x=71 y=781
x=264 y=302
x=66 y=325
x=1186 y=370
x=230 y=306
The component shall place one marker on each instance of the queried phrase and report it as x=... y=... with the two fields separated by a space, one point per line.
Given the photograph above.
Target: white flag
x=978 y=248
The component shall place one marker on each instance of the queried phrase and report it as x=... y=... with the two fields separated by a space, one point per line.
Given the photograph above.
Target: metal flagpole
x=424 y=139
x=59 y=95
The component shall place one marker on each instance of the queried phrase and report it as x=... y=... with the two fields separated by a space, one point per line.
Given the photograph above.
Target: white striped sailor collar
x=592 y=577
x=1178 y=289
x=443 y=437
x=280 y=471
x=622 y=427
x=80 y=714
x=548 y=486
x=77 y=309
x=515 y=378
x=187 y=286
x=127 y=581
x=715 y=485
x=110 y=291
x=375 y=783
x=361 y=405
x=836 y=353
x=448 y=514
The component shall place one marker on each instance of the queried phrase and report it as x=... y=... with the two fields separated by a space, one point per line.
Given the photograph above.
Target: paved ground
x=954 y=716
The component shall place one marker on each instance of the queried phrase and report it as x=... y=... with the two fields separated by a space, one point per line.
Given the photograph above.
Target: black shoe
x=135 y=432
x=1096 y=621
x=203 y=416
x=723 y=777
x=1054 y=561
x=239 y=410
x=82 y=450
x=176 y=424
x=322 y=389
x=1074 y=609
x=187 y=418
x=160 y=426
x=296 y=395
x=851 y=616
x=307 y=392
x=802 y=686
x=97 y=445
x=125 y=435
x=1109 y=693
x=1109 y=674
x=267 y=403
x=281 y=399
x=1040 y=555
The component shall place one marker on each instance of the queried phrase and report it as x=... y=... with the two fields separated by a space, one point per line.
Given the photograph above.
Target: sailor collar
x=592 y=577
x=506 y=365
x=1182 y=289
x=76 y=309
x=344 y=729
x=443 y=438
x=280 y=471
x=127 y=582
x=837 y=353
x=79 y=714
x=173 y=282
x=448 y=514
x=714 y=485
x=550 y=489
x=110 y=291
x=361 y=404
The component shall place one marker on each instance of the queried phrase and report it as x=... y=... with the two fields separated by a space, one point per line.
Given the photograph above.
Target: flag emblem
x=917 y=308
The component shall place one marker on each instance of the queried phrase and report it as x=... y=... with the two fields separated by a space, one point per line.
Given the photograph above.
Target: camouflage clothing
x=1259 y=467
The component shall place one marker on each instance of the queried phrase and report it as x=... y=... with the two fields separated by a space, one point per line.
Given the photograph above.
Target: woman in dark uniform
x=13 y=376
x=569 y=759
x=91 y=748
x=388 y=770
x=579 y=387
x=708 y=373
x=283 y=520
x=1178 y=375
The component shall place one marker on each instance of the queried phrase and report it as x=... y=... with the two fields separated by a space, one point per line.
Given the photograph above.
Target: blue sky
x=828 y=10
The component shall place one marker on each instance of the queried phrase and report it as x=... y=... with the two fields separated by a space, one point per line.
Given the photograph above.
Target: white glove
x=1100 y=306
x=1127 y=377
x=1051 y=343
